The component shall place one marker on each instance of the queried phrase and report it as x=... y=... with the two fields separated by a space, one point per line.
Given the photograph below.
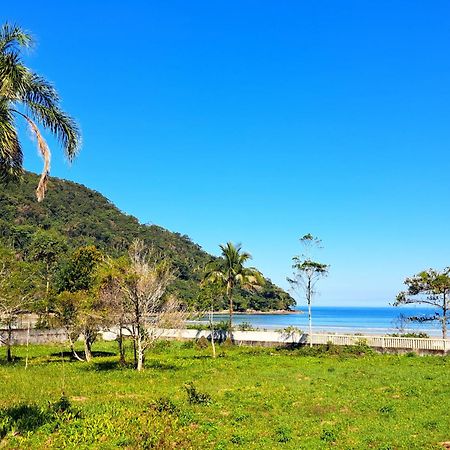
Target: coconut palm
x=27 y=96
x=229 y=271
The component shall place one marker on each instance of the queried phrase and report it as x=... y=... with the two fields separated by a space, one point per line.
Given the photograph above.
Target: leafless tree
x=145 y=291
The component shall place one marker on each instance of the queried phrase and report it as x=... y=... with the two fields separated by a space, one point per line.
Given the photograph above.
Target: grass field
x=259 y=399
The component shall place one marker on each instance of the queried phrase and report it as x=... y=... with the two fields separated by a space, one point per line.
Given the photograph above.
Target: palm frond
x=38 y=90
x=45 y=153
x=11 y=157
x=60 y=124
x=12 y=36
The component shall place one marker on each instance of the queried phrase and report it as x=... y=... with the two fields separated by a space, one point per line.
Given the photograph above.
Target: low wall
x=21 y=336
x=383 y=344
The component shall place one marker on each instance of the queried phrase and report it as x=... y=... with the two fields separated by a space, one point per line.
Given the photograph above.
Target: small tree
x=151 y=309
x=18 y=292
x=209 y=299
x=111 y=277
x=78 y=307
x=307 y=273
x=429 y=287
x=46 y=247
x=229 y=271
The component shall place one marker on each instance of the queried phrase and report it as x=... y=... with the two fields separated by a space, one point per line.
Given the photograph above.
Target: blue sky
x=257 y=122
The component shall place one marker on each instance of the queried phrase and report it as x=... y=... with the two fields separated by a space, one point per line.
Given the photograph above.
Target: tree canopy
x=26 y=95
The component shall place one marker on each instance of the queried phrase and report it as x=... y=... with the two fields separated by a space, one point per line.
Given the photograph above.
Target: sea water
x=343 y=319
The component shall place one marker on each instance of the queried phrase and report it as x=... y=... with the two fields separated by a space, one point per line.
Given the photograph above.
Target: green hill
x=84 y=216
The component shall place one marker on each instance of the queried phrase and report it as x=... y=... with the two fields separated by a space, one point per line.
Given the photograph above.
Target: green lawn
x=260 y=399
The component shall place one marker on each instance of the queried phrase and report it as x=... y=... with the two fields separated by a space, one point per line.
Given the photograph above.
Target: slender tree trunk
x=8 y=343
x=72 y=348
x=309 y=294
x=121 y=346
x=140 y=354
x=135 y=337
x=230 y=321
x=211 y=326
x=444 y=318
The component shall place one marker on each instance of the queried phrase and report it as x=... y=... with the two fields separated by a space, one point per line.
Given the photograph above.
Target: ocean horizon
x=342 y=319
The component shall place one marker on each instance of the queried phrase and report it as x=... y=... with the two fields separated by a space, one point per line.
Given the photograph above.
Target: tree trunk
x=8 y=344
x=211 y=326
x=140 y=354
x=310 y=323
x=87 y=348
x=308 y=298
x=72 y=348
x=135 y=358
x=230 y=321
x=444 y=325
x=121 y=347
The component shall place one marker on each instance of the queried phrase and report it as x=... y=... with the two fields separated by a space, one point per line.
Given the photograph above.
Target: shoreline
x=278 y=312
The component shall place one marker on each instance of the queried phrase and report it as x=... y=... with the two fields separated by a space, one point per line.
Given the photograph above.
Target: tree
x=230 y=272
x=151 y=309
x=24 y=94
x=209 y=299
x=46 y=247
x=307 y=273
x=429 y=287
x=78 y=307
x=111 y=276
x=18 y=292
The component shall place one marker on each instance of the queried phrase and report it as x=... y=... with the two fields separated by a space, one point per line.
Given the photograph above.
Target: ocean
x=342 y=319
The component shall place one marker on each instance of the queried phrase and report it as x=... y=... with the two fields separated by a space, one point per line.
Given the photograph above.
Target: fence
x=383 y=343
x=265 y=338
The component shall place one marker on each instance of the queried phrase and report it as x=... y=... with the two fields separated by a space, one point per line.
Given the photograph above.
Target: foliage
x=25 y=94
x=432 y=288
x=229 y=273
x=307 y=272
x=78 y=217
x=195 y=396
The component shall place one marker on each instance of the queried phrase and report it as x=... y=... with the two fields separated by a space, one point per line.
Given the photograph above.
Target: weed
x=195 y=396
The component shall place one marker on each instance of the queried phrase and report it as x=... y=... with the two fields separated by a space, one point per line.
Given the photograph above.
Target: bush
x=328 y=435
x=195 y=396
x=245 y=326
x=283 y=434
x=165 y=404
x=202 y=343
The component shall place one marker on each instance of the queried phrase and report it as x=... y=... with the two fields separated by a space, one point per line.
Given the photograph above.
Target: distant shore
x=261 y=313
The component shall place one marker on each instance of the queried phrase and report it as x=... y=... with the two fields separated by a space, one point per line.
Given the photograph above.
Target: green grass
x=250 y=398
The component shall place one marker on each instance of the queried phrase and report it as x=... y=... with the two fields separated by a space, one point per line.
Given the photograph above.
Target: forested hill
x=84 y=217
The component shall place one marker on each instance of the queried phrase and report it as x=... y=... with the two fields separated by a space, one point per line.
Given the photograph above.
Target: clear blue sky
x=257 y=122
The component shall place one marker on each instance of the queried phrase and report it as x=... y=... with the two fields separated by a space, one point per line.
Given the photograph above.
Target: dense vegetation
x=79 y=216
x=252 y=398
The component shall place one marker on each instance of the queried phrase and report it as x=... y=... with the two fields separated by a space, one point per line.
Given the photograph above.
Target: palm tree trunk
x=211 y=327
x=230 y=301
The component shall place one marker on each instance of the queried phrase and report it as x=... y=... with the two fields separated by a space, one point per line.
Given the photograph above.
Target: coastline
x=278 y=312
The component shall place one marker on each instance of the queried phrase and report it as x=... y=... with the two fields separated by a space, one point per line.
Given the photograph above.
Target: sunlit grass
x=261 y=398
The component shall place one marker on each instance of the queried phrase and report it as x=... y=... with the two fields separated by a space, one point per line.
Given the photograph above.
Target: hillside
x=84 y=216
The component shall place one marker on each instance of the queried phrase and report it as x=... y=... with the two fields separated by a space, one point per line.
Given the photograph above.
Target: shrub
x=195 y=396
x=202 y=343
x=283 y=434
x=245 y=326
x=165 y=404
x=328 y=435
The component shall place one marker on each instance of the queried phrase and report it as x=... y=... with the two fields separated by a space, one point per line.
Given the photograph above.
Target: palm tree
x=26 y=95
x=230 y=272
